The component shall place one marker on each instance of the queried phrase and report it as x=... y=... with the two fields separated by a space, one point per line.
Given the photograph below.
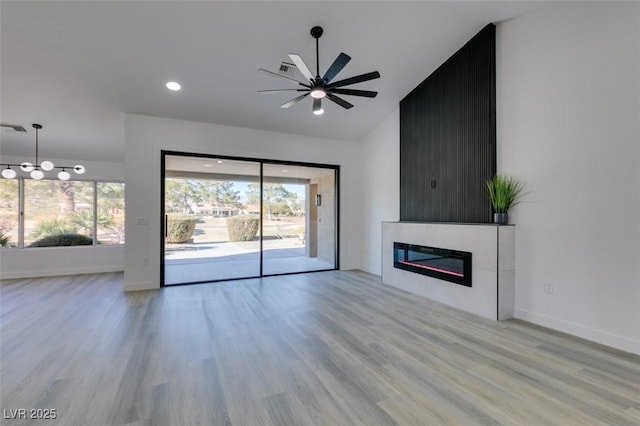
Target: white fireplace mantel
x=492 y=247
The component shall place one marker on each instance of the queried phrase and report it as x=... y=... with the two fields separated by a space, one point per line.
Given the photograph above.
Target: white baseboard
x=58 y=272
x=603 y=337
x=371 y=269
x=139 y=286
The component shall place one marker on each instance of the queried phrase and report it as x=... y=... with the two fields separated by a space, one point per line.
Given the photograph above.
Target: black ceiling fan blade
x=293 y=101
x=354 y=92
x=339 y=101
x=337 y=65
x=353 y=80
x=284 y=76
x=281 y=90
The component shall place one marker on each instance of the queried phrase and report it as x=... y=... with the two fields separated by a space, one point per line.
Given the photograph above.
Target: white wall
x=569 y=124
x=147 y=136
x=492 y=268
x=569 y=108
x=41 y=262
x=380 y=152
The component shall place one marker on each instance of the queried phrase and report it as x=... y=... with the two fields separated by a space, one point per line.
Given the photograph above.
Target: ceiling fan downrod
x=316 y=32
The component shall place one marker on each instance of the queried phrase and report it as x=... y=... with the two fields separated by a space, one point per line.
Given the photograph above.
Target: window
x=61 y=213
x=9 y=212
x=110 y=220
x=53 y=208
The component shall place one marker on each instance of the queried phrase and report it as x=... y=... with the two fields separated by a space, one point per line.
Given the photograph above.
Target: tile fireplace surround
x=491 y=294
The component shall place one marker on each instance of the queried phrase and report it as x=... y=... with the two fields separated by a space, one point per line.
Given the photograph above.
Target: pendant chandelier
x=36 y=170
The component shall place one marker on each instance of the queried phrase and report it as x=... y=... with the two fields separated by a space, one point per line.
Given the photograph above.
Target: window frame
x=21 y=205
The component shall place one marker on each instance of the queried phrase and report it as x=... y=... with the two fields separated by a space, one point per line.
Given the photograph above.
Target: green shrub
x=242 y=228
x=63 y=240
x=180 y=227
x=84 y=220
x=4 y=239
x=53 y=227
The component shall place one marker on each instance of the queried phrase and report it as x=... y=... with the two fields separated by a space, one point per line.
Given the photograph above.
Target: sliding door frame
x=262 y=162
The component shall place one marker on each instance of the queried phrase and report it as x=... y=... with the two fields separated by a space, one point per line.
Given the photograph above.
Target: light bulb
x=37 y=174
x=317 y=106
x=79 y=169
x=46 y=165
x=8 y=173
x=26 y=167
x=174 y=86
x=318 y=93
x=64 y=175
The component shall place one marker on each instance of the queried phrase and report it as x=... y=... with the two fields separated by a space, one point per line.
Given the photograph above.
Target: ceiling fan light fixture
x=318 y=93
x=320 y=87
x=317 y=107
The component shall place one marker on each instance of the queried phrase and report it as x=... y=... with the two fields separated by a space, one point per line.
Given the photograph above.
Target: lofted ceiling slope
x=78 y=67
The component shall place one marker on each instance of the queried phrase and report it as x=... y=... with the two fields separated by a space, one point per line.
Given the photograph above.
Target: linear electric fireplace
x=444 y=264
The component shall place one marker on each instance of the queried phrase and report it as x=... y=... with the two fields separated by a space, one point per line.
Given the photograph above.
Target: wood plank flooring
x=330 y=348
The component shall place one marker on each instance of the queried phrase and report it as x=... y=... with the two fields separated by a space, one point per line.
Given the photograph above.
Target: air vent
x=13 y=128
x=287 y=68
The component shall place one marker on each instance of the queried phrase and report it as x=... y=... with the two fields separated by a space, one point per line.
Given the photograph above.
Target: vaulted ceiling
x=78 y=67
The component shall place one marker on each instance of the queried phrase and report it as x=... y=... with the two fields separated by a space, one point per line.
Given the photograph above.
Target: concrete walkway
x=225 y=260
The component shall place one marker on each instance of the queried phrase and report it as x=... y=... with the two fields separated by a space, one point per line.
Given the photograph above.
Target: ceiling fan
x=320 y=87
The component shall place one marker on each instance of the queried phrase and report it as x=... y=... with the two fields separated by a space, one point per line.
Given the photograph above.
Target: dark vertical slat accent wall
x=448 y=138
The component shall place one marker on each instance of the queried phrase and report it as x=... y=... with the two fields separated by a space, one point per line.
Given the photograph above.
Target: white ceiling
x=217 y=166
x=77 y=67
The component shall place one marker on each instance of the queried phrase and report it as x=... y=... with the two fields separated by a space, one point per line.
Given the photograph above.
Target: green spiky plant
x=504 y=192
x=4 y=239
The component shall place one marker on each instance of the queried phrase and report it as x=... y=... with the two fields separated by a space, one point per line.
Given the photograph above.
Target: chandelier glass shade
x=36 y=170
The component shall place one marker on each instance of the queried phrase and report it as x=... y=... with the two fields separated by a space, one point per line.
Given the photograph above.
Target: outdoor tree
x=67 y=189
x=274 y=196
x=8 y=206
x=111 y=206
x=182 y=194
x=110 y=197
x=297 y=206
x=221 y=193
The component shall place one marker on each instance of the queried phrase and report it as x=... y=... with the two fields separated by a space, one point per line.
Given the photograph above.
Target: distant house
x=253 y=209
x=222 y=210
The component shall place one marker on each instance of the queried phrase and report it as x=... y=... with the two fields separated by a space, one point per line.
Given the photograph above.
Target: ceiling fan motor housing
x=316 y=32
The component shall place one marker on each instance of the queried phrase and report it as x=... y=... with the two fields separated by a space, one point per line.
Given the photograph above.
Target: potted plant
x=504 y=192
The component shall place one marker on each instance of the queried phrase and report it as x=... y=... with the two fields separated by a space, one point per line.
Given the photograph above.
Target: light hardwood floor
x=330 y=348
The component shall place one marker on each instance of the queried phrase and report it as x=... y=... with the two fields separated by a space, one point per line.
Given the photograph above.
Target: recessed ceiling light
x=207 y=165
x=219 y=161
x=172 y=85
x=284 y=170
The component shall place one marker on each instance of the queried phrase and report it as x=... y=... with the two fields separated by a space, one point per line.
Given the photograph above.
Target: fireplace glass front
x=444 y=264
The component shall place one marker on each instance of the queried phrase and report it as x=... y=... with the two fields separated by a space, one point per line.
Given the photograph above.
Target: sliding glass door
x=229 y=218
x=211 y=233
x=299 y=219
